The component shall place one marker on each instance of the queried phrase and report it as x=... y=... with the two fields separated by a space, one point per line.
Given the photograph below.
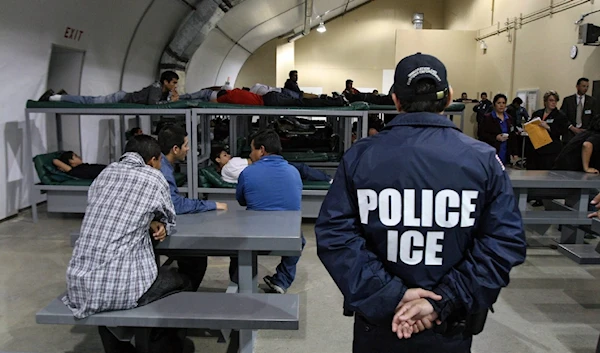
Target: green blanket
x=210 y=178
x=176 y=105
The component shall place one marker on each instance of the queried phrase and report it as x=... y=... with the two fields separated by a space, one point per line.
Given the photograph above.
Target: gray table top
x=237 y=230
x=552 y=179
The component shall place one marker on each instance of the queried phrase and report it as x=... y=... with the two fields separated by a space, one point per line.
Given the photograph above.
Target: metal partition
x=120 y=112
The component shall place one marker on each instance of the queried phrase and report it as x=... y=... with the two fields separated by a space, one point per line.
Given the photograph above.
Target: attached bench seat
x=556 y=217
x=257 y=311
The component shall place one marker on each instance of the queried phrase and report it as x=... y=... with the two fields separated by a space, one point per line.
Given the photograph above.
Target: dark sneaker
x=62 y=92
x=46 y=96
x=273 y=285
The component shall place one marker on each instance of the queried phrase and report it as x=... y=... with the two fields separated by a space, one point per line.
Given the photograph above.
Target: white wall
x=27 y=31
x=65 y=72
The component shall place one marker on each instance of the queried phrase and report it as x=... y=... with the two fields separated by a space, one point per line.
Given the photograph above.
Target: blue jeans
x=111 y=98
x=286 y=270
x=310 y=174
x=201 y=95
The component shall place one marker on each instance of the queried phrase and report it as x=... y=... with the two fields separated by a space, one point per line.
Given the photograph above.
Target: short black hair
x=583 y=79
x=517 y=101
x=129 y=134
x=293 y=72
x=465 y=93
x=269 y=139
x=215 y=152
x=66 y=156
x=169 y=136
x=144 y=145
x=424 y=86
x=168 y=76
x=483 y=93
x=498 y=96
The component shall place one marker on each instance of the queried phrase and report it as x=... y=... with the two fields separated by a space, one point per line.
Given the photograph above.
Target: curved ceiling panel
x=252 y=13
x=206 y=63
x=275 y=27
x=245 y=28
x=232 y=64
x=154 y=33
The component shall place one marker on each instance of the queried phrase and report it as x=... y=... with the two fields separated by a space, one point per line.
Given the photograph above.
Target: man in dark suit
x=579 y=109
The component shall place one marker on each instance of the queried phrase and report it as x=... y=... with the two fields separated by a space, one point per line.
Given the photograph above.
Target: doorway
x=64 y=72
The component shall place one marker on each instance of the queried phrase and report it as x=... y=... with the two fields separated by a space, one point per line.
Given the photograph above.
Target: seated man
x=231 y=167
x=70 y=163
x=173 y=141
x=271 y=184
x=349 y=90
x=160 y=92
x=582 y=153
x=113 y=265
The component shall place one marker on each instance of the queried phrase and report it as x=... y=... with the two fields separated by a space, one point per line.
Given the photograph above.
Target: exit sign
x=73 y=34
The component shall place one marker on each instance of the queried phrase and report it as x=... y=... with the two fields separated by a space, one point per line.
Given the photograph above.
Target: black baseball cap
x=413 y=69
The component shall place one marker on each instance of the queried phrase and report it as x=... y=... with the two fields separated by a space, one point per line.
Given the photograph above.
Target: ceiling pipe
x=308 y=16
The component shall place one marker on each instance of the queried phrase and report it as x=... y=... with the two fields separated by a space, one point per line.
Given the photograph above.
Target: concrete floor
x=551 y=305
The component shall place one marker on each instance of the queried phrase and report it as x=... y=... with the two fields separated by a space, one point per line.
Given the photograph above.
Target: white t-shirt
x=232 y=170
x=262 y=89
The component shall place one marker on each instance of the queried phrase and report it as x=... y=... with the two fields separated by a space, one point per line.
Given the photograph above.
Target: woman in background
x=497 y=130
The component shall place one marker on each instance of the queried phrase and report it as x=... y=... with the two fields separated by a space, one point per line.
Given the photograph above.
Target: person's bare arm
x=61 y=165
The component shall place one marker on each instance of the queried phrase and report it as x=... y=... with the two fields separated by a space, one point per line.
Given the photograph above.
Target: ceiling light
x=321 y=28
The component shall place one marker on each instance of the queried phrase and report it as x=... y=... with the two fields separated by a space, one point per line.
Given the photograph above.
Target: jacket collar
x=165 y=161
x=133 y=159
x=421 y=119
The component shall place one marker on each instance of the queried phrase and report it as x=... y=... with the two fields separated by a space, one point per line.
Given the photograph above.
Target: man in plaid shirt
x=113 y=265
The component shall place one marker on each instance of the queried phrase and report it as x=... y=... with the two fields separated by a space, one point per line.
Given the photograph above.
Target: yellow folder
x=537 y=134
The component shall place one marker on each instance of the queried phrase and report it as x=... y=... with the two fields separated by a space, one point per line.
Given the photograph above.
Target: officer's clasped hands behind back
x=420 y=228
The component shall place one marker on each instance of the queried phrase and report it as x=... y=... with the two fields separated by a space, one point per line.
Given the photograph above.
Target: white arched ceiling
x=248 y=26
x=28 y=29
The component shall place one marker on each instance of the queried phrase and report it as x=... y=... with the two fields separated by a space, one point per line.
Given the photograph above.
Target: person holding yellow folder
x=556 y=124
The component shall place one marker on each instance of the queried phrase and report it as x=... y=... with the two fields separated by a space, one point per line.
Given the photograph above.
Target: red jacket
x=240 y=96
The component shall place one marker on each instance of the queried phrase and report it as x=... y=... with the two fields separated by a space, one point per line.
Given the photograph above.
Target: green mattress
x=454 y=107
x=210 y=178
x=66 y=105
x=311 y=156
x=49 y=175
x=184 y=105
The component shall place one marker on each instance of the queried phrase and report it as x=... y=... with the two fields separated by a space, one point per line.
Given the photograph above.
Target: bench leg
x=247 y=284
x=231 y=288
x=142 y=339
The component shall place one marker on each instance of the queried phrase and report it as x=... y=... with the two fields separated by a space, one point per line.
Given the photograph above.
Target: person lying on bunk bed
x=160 y=92
x=70 y=163
x=275 y=99
x=231 y=167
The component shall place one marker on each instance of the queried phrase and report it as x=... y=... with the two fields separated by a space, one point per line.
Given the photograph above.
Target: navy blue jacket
x=420 y=205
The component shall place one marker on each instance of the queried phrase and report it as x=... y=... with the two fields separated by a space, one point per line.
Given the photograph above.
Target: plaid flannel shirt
x=113 y=262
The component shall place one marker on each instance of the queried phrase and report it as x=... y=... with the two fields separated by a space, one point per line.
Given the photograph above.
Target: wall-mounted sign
x=72 y=33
